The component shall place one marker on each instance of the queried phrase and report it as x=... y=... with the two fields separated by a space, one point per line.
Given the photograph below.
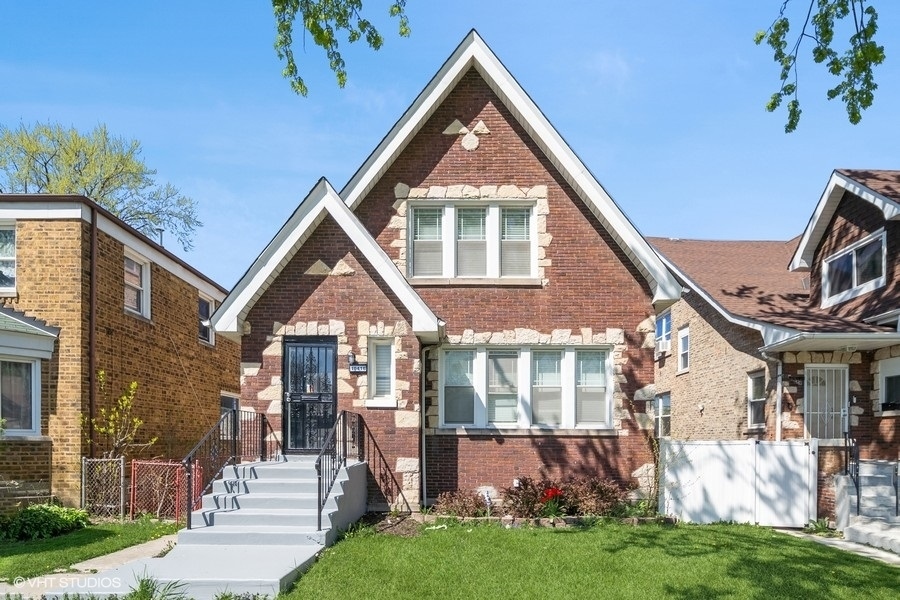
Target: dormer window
x=855 y=270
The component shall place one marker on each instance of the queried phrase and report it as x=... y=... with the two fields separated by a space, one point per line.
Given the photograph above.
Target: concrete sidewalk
x=848 y=546
x=83 y=575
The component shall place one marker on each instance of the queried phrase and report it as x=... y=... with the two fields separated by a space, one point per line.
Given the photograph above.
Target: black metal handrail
x=237 y=436
x=345 y=437
x=897 y=488
x=851 y=464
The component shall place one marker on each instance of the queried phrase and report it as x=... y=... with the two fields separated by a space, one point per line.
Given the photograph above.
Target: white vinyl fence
x=767 y=483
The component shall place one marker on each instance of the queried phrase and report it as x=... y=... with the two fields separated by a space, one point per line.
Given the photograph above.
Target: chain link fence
x=103 y=486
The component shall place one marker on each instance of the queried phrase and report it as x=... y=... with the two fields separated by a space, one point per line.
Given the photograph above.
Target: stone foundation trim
x=520 y=432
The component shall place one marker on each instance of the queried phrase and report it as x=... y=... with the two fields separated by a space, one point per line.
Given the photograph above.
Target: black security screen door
x=310 y=392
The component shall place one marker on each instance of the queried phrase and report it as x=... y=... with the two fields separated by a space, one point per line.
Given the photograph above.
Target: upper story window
x=664 y=332
x=756 y=400
x=684 y=349
x=205 y=307
x=137 y=284
x=855 y=270
x=526 y=387
x=20 y=394
x=7 y=258
x=465 y=240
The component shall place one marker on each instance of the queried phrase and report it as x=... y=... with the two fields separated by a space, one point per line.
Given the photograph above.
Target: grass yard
x=40 y=557
x=606 y=561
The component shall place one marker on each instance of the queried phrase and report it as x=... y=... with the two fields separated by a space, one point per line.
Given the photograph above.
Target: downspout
x=779 y=394
x=422 y=377
x=92 y=335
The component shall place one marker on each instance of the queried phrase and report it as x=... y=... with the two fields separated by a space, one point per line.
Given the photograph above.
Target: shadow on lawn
x=767 y=564
x=75 y=538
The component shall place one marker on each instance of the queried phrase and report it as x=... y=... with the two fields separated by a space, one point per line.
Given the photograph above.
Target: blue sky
x=662 y=100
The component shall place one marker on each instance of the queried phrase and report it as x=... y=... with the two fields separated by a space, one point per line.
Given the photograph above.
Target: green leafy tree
x=116 y=426
x=49 y=158
x=851 y=64
x=325 y=21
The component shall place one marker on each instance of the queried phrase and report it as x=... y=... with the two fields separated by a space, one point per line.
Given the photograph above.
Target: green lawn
x=607 y=561
x=39 y=557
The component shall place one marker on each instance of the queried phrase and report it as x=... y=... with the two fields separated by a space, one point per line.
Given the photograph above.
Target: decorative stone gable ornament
x=469 y=137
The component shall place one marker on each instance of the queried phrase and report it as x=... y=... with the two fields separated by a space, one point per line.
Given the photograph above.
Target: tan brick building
x=792 y=340
x=500 y=301
x=83 y=292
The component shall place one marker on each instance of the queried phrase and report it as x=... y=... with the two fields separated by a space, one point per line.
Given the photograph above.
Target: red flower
x=550 y=494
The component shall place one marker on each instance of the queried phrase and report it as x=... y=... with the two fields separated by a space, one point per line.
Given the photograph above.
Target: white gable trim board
x=474 y=52
x=321 y=200
x=825 y=209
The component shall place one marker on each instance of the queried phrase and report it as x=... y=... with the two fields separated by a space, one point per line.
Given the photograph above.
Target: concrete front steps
x=254 y=533
x=877 y=523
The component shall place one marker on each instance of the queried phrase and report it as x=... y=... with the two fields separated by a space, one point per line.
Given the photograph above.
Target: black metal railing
x=236 y=437
x=897 y=488
x=851 y=464
x=345 y=440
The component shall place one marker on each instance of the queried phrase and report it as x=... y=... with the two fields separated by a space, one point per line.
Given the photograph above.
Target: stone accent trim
x=403 y=193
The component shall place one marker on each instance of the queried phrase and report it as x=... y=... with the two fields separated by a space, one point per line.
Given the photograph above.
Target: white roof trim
x=474 y=52
x=834 y=342
x=770 y=333
x=825 y=209
x=321 y=200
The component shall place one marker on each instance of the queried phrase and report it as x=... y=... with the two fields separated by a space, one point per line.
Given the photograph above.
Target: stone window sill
x=12 y=436
x=888 y=413
x=531 y=432
x=475 y=282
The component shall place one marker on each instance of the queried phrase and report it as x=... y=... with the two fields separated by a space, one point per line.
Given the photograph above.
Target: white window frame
x=145 y=283
x=663 y=333
x=11 y=290
x=658 y=415
x=684 y=350
x=568 y=367
x=388 y=400
x=211 y=334
x=750 y=399
x=889 y=367
x=35 y=396
x=493 y=234
x=856 y=289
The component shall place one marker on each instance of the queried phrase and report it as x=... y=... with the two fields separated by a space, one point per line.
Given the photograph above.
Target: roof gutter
x=833 y=341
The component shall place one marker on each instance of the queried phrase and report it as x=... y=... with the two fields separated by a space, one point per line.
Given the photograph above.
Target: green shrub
x=40 y=521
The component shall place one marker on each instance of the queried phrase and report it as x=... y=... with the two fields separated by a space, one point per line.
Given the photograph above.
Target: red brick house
x=80 y=292
x=798 y=339
x=501 y=301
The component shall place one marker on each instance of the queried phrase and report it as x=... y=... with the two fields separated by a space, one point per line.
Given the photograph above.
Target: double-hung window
x=470 y=241
x=20 y=395
x=381 y=373
x=7 y=258
x=664 y=333
x=889 y=371
x=684 y=349
x=137 y=284
x=756 y=400
x=526 y=387
x=855 y=270
x=205 y=308
x=662 y=415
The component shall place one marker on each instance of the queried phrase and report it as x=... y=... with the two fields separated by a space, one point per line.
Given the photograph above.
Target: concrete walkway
x=83 y=575
x=848 y=546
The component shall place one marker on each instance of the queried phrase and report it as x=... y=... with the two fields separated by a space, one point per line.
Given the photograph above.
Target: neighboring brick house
x=82 y=292
x=763 y=319
x=501 y=301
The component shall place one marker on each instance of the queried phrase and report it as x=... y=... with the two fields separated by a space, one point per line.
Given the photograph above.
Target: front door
x=310 y=392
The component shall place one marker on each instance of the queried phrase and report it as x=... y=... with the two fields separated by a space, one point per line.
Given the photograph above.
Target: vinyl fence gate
x=767 y=483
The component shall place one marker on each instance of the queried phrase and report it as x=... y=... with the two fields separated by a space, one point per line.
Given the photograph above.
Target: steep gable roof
x=473 y=52
x=321 y=201
x=880 y=188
